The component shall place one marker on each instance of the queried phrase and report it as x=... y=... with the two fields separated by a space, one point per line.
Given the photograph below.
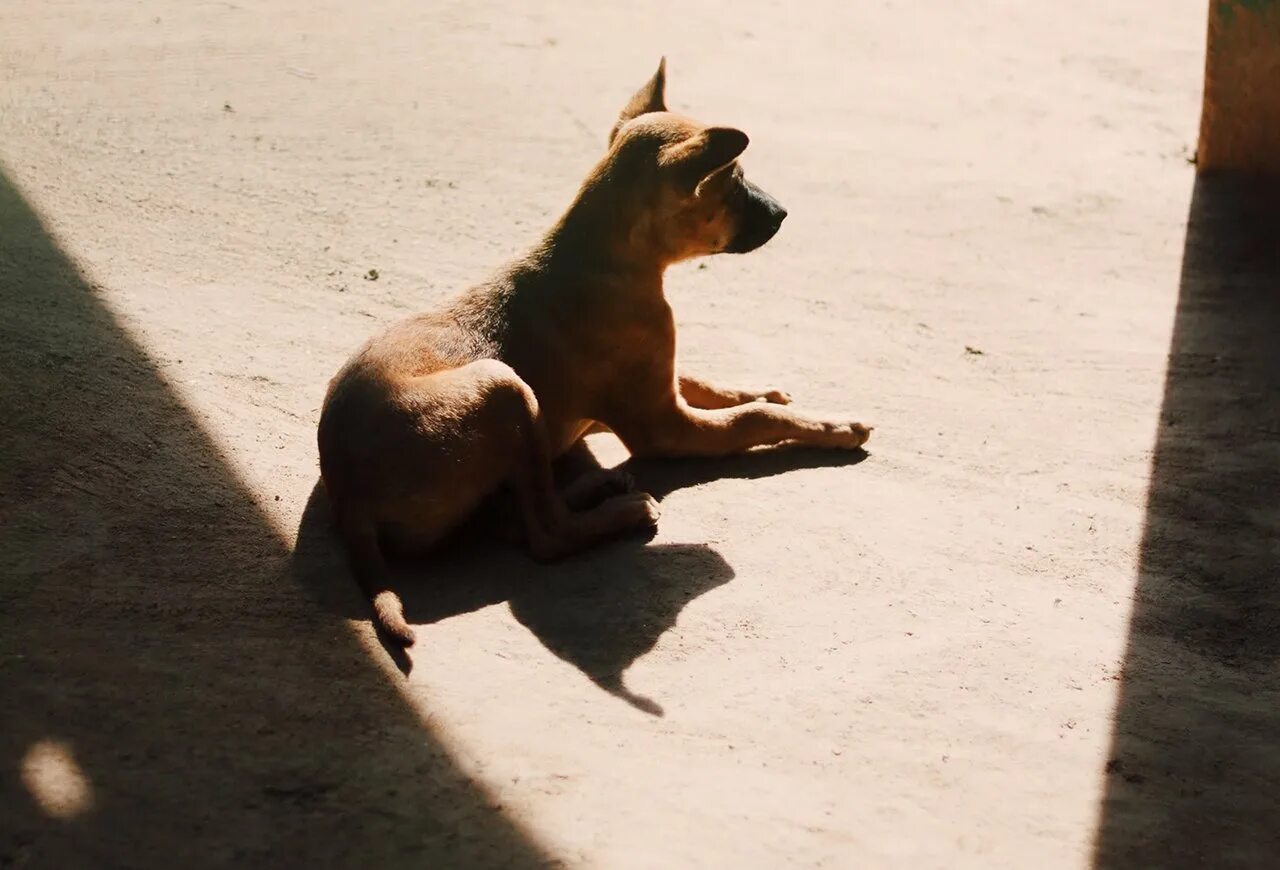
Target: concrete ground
x=1034 y=626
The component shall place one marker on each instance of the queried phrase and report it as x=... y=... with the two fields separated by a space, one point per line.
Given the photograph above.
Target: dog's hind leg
x=593 y=487
x=444 y=443
x=552 y=528
x=584 y=483
x=504 y=512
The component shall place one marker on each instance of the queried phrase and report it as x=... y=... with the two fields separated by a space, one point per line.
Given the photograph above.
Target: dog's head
x=685 y=179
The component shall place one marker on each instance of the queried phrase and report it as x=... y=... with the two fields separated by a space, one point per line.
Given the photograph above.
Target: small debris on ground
x=973 y=351
x=371 y=275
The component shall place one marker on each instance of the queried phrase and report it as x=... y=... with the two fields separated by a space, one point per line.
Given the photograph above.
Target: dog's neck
x=602 y=234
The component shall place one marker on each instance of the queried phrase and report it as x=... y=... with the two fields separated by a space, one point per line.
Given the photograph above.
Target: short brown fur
x=443 y=409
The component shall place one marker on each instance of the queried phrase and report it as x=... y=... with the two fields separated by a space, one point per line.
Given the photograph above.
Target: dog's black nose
x=761 y=218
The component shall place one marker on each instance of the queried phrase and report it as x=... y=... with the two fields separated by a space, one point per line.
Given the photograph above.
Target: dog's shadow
x=599 y=611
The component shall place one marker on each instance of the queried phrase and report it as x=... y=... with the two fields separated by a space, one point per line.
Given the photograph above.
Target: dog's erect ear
x=650 y=98
x=702 y=154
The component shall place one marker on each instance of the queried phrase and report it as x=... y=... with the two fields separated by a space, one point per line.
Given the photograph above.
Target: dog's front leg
x=698 y=393
x=679 y=430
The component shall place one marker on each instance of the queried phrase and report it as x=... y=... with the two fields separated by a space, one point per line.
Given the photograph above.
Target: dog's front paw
x=849 y=436
x=776 y=397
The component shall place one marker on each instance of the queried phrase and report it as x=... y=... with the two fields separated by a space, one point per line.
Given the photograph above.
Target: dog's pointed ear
x=702 y=154
x=650 y=98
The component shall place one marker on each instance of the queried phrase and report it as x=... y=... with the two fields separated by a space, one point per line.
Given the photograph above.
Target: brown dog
x=443 y=409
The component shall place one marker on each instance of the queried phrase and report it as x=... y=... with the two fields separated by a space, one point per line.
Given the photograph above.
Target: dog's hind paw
x=636 y=509
x=593 y=487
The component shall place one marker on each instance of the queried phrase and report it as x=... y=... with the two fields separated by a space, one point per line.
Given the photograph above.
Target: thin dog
x=443 y=409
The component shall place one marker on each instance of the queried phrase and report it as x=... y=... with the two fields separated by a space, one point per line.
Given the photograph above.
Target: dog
x=430 y=418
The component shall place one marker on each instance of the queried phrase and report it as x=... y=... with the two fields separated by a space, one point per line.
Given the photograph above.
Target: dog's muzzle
x=762 y=217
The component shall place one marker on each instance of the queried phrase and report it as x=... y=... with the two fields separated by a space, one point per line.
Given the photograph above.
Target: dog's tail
x=370 y=568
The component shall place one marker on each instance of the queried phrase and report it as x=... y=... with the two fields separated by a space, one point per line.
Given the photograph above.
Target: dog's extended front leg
x=698 y=393
x=680 y=430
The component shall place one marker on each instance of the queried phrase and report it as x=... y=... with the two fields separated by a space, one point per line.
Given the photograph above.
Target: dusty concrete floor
x=922 y=659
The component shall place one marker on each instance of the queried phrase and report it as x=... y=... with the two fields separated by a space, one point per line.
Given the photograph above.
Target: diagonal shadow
x=148 y=625
x=600 y=610
x=1194 y=775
